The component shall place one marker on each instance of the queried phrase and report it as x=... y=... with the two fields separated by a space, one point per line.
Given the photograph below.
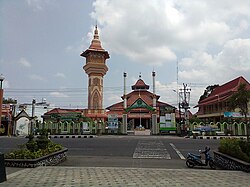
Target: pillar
x=124 y=124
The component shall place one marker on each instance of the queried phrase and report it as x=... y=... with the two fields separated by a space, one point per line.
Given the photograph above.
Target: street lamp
x=1 y=80
x=1 y=97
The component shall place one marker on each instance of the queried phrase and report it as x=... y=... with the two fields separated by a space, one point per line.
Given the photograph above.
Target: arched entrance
x=139 y=116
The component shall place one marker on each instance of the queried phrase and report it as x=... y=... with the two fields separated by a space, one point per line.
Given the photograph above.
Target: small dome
x=140 y=85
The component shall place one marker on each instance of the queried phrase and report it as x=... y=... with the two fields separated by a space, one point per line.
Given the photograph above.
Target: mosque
x=139 y=110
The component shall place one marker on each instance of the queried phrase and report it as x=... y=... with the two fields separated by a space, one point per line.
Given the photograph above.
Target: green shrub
x=32 y=145
x=43 y=134
x=235 y=148
x=42 y=143
x=34 y=149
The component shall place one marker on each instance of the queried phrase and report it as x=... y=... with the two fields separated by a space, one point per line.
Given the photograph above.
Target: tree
x=240 y=99
x=208 y=91
x=9 y=101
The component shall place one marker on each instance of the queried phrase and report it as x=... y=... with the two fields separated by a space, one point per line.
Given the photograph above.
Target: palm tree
x=240 y=99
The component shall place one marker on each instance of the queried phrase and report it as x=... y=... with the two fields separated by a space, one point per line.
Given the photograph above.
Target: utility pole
x=32 y=117
x=1 y=97
x=184 y=104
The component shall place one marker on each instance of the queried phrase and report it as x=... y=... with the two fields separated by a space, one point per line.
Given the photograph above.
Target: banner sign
x=167 y=121
x=234 y=115
x=113 y=121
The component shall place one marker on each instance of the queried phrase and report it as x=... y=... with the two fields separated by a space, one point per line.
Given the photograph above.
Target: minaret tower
x=96 y=68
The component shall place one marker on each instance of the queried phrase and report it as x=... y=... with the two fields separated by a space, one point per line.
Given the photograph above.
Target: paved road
x=124 y=151
x=123 y=161
x=133 y=151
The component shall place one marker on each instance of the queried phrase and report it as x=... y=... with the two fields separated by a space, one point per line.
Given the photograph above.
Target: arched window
x=65 y=126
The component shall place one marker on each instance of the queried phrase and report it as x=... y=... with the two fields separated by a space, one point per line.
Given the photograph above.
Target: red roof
x=145 y=95
x=95 y=46
x=63 y=111
x=140 y=84
x=223 y=92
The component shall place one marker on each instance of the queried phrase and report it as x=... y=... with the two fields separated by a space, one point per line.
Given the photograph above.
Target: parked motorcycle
x=195 y=160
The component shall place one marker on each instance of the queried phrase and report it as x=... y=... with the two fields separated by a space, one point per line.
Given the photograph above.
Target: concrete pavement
x=58 y=176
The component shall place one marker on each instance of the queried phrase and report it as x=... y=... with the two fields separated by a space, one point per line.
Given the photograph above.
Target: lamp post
x=1 y=96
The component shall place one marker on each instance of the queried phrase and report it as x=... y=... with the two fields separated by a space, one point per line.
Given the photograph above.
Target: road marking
x=177 y=151
x=151 y=149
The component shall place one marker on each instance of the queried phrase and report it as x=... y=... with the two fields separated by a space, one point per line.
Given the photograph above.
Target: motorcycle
x=195 y=160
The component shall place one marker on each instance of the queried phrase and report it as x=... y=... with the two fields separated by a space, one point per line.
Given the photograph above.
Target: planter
x=48 y=160
x=230 y=163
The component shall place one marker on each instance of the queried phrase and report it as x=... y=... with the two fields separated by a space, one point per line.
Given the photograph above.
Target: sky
x=193 y=42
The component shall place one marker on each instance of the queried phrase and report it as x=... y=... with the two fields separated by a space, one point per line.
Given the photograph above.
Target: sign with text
x=113 y=121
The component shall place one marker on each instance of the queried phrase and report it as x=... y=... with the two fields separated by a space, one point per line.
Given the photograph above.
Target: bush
x=236 y=148
x=32 y=145
x=34 y=149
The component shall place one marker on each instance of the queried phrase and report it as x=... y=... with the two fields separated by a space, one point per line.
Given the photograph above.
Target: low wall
x=48 y=160
x=230 y=163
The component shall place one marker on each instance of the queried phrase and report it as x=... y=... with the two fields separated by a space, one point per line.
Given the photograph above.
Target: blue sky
x=41 y=42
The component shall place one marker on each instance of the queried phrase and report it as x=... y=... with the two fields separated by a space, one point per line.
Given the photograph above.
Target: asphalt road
x=124 y=151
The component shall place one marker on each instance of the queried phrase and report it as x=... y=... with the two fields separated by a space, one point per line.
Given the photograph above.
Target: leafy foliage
x=240 y=99
x=208 y=91
x=35 y=148
x=236 y=148
x=9 y=101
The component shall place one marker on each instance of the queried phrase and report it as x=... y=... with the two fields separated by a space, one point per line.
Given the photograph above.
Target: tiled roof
x=230 y=86
x=95 y=45
x=63 y=111
x=223 y=92
x=145 y=95
x=140 y=84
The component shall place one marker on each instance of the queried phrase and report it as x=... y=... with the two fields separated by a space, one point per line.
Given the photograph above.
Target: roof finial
x=96 y=36
x=140 y=75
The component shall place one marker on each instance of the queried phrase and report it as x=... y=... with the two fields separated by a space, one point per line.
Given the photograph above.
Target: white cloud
x=232 y=61
x=210 y=38
x=24 y=62
x=58 y=94
x=236 y=56
x=160 y=29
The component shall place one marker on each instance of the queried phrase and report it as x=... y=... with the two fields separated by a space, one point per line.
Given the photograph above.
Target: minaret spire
x=96 y=68
x=96 y=43
x=96 y=36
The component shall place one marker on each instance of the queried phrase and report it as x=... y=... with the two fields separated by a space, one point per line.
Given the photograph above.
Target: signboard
x=113 y=121
x=85 y=126
x=22 y=126
x=167 y=122
x=67 y=116
x=234 y=115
